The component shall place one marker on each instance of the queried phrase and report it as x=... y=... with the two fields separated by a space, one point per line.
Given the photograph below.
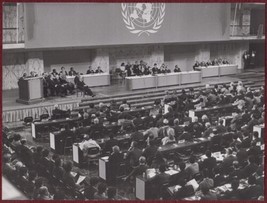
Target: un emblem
x=142 y=18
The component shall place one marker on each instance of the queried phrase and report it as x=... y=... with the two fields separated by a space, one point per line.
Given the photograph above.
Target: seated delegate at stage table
x=72 y=72
x=90 y=71
x=78 y=80
x=99 y=70
x=176 y=69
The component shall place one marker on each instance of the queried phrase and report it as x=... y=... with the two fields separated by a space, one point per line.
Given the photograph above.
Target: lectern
x=30 y=90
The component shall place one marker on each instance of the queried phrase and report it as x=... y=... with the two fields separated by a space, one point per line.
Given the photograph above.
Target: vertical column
x=101 y=58
x=35 y=62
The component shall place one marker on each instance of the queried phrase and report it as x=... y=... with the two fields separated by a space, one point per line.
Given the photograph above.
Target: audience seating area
x=155 y=142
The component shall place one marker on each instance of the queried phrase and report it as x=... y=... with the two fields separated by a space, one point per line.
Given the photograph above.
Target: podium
x=30 y=90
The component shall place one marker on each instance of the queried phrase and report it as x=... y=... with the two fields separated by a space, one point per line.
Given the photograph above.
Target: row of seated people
x=48 y=178
x=57 y=84
x=214 y=62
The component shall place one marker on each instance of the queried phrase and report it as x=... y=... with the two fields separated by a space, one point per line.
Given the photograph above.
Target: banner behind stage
x=50 y=25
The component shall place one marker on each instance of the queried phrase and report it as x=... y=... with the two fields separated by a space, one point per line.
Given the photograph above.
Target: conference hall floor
x=117 y=87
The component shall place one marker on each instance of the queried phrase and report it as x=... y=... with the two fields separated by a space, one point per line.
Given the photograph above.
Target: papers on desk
x=80 y=179
x=194 y=183
x=224 y=188
x=73 y=173
x=171 y=172
x=192 y=198
x=201 y=139
x=151 y=172
x=105 y=158
x=262 y=147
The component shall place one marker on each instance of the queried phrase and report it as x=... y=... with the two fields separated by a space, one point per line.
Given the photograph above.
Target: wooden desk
x=103 y=164
x=143 y=185
x=176 y=147
x=260 y=129
x=93 y=80
x=77 y=154
x=39 y=126
x=210 y=110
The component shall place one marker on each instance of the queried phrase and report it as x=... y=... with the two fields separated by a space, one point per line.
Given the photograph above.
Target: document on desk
x=73 y=173
x=194 y=183
x=80 y=179
x=171 y=172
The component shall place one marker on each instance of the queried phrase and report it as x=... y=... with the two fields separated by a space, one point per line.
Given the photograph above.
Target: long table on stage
x=93 y=80
x=162 y=80
x=218 y=70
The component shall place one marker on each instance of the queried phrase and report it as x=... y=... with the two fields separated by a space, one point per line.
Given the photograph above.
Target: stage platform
x=14 y=112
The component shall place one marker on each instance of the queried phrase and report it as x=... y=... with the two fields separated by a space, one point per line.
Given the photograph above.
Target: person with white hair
x=240 y=88
x=208 y=130
x=58 y=113
x=44 y=194
x=88 y=143
x=169 y=138
x=139 y=170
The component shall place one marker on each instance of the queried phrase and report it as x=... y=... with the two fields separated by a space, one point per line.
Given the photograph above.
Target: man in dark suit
x=228 y=160
x=51 y=84
x=82 y=86
x=115 y=159
x=253 y=190
x=210 y=162
x=176 y=69
x=139 y=170
x=186 y=135
x=150 y=151
x=58 y=113
x=249 y=169
x=98 y=70
x=72 y=72
x=90 y=71
x=91 y=190
x=184 y=191
x=24 y=153
x=109 y=144
x=133 y=154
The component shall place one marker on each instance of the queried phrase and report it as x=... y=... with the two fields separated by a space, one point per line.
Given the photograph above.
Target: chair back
x=68 y=142
x=93 y=151
x=28 y=119
x=44 y=116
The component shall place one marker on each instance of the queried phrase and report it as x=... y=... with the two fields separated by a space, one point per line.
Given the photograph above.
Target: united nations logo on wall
x=142 y=18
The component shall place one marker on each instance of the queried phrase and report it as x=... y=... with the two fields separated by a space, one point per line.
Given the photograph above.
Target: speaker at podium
x=30 y=90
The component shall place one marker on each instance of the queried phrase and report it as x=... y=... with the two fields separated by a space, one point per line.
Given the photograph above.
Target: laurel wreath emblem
x=131 y=26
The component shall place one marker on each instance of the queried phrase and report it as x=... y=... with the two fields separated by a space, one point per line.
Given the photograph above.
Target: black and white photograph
x=133 y=101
